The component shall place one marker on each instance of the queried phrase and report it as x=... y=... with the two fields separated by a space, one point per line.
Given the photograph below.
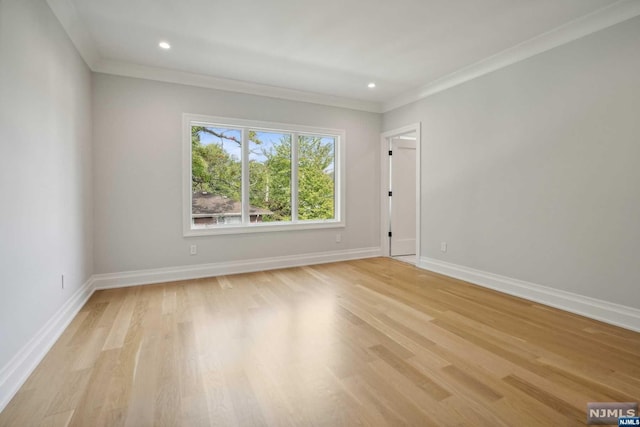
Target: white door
x=403 y=196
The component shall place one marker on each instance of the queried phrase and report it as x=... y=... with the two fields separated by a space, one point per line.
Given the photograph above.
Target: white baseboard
x=608 y=312
x=17 y=370
x=161 y=275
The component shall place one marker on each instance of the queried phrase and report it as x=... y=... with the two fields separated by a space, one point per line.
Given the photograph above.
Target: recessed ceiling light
x=371 y=85
x=164 y=45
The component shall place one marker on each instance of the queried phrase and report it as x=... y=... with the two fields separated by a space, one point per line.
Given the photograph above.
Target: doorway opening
x=401 y=194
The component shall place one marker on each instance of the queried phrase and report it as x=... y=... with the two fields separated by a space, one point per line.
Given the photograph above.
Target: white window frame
x=189 y=120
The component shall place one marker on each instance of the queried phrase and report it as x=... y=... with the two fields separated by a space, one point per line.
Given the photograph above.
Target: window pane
x=269 y=176
x=216 y=176
x=316 y=180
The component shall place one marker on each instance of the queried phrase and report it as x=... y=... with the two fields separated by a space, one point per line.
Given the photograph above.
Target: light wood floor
x=373 y=342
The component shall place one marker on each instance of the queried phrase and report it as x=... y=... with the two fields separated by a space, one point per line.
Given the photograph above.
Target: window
x=244 y=176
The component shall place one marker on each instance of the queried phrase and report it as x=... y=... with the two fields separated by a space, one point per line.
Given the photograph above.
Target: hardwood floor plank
x=546 y=398
x=369 y=342
x=70 y=393
x=388 y=389
x=426 y=384
x=469 y=381
x=243 y=398
x=62 y=419
x=88 y=409
x=373 y=407
x=120 y=325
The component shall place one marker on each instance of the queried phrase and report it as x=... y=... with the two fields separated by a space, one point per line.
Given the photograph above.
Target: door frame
x=385 y=218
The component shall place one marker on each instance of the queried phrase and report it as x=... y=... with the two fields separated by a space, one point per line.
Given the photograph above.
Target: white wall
x=533 y=171
x=45 y=171
x=138 y=175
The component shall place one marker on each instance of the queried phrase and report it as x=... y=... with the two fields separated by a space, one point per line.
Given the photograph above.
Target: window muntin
x=245 y=176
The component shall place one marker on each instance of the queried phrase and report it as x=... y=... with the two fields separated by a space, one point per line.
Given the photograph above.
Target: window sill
x=261 y=228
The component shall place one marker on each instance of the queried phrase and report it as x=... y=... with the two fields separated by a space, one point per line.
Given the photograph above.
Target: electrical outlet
x=62 y=280
x=443 y=246
x=338 y=238
x=193 y=250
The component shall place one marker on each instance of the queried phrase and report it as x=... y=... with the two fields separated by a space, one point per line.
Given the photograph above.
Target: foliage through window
x=251 y=175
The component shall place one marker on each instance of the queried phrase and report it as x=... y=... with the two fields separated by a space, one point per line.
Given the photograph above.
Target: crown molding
x=206 y=81
x=598 y=20
x=615 y=13
x=68 y=16
x=81 y=37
